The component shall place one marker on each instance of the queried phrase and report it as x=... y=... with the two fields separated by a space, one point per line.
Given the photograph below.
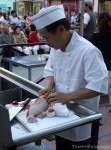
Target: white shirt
x=86 y=18
x=15 y=20
x=73 y=19
x=2 y=19
x=81 y=66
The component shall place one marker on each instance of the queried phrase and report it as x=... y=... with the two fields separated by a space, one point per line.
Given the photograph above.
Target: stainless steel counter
x=8 y=131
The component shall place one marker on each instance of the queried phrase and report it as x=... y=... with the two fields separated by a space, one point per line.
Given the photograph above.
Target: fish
x=37 y=110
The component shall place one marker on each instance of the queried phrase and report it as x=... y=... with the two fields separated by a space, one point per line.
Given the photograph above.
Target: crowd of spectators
x=12 y=31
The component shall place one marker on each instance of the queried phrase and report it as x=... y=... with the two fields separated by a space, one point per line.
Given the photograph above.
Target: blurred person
x=11 y=26
x=6 y=38
x=102 y=40
x=1 y=18
x=32 y=38
x=75 y=71
x=1 y=29
x=73 y=19
x=26 y=29
x=14 y=18
x=6 y=18
x=28 y=18
x=20 y=38
x=89 y=21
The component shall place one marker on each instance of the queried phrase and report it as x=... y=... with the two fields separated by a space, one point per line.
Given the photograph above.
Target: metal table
x=7 y=140
x=28 y=62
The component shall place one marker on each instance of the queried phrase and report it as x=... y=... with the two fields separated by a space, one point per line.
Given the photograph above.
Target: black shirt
x=104 y=45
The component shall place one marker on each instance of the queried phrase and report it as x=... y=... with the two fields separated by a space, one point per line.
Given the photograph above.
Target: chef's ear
x=61 y=28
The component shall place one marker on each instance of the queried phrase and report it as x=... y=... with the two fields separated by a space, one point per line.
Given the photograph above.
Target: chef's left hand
x=58 y=97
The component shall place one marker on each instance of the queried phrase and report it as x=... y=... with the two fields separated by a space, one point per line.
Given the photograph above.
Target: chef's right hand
x=45 y=92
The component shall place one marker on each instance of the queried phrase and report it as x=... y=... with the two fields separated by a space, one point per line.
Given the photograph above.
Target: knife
x=16 y=108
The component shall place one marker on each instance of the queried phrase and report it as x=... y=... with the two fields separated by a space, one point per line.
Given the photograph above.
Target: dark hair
x=15 y=28
x=25 y=17
x=104 y=24
x=32 y=26
x=53 y=27
x=26 y=31
x=0 y=13
x=5 y=15
x=88 y=6
x=29 y=12
x=13 y=11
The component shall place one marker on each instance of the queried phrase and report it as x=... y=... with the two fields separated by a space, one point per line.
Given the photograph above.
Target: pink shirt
x=28 y=19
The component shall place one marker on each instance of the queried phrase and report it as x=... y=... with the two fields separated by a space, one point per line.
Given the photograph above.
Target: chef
x=75 y=71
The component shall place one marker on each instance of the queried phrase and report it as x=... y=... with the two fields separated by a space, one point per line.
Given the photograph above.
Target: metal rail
x=22 y=82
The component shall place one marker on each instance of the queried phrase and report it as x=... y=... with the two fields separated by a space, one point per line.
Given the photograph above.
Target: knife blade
x=15 y=109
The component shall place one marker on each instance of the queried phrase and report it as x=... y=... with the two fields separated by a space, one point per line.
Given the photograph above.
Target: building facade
x=23 y=6
x=71 y=5
x=104 y=5
x=7 y=5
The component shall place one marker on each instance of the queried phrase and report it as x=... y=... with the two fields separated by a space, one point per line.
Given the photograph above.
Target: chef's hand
x=45 y=92
x=58 y=97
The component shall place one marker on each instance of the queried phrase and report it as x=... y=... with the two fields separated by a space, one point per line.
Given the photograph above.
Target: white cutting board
x=44 y=123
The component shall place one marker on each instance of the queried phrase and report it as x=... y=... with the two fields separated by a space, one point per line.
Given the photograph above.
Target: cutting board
x=43 y=123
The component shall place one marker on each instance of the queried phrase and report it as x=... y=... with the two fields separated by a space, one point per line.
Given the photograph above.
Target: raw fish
x=37 y=109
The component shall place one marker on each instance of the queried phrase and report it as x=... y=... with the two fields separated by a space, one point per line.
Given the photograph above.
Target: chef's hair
x=53 y=27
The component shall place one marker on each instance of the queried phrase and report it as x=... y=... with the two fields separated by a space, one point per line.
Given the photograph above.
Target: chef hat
x=48 y=15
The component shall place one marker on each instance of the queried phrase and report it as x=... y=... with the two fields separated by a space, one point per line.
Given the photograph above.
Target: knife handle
x=26 y=102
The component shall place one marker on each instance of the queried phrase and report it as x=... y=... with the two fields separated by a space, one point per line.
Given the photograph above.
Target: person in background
x=6 y=38
x=102 y=40
x=89 y=21
x=32 y=38
x=28 y=18
x=14 y=18
x=25 y=29
x=1 y=29
x=1 y=18
x=75 y=71
x=73 y=19
x=11 y=26
x=20 y=38
x=6 y=18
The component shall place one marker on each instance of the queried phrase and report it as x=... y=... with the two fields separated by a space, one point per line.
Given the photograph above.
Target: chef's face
x=52 y=39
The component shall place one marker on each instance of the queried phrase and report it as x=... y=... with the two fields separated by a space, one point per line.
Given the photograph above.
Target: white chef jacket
x=80 y=66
